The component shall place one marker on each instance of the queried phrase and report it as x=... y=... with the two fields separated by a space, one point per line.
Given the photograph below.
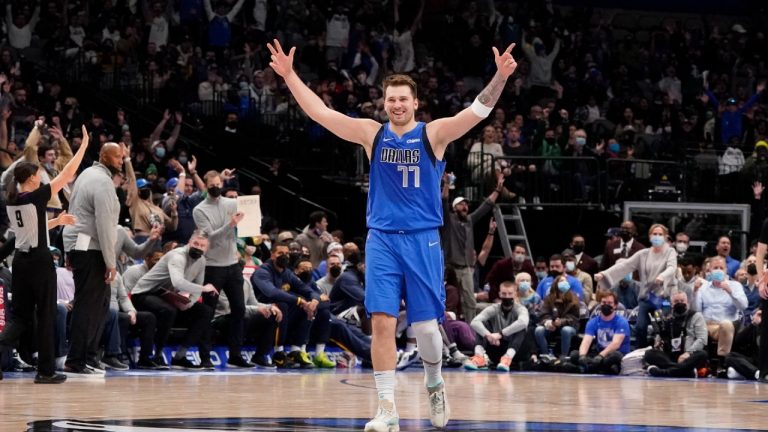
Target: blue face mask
x=628 y=277
x=160 y=152
x=708 y=277
x=524 y=287
x=541 y=275
x=563 y=286
x=657 y=240
x=718 y=275
x=581 y=141
x=614 y=147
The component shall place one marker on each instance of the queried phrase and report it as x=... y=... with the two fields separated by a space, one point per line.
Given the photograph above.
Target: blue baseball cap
x=171 y=183
x=142 y=183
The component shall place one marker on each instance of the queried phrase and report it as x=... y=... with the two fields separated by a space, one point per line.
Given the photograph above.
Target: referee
x=34 y=276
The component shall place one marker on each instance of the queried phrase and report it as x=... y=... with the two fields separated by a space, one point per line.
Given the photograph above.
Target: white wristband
x=480 y=110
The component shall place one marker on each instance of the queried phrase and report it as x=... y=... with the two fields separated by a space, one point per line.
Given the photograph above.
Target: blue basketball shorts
x=405 y=266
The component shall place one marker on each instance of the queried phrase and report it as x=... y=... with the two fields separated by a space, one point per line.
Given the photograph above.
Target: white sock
x=479 y=350
x=410 y=346
x=757 y=374
x=279 y=348
x=431 y=349
x=295 y=348
x=319 y=349
x=511 y=353
x=385 y=385
x=60 y=362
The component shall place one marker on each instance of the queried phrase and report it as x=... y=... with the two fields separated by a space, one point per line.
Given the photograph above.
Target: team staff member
x=218 y=216
x=34 y=276
x=90 y=244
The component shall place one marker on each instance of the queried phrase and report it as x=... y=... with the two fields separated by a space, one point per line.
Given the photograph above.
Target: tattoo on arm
x=491 y=93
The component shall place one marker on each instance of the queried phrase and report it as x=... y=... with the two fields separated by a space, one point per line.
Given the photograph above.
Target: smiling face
x=400 y=104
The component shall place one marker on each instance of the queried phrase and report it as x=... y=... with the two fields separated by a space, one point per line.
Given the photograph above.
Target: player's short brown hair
x=399 y=80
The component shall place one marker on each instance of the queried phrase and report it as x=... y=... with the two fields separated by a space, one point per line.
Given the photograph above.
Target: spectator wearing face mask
x=747 y=277
x=571 y=269
x=656 y=268
x=316 y=237
x=275 y=282
x=720 y=301
x=541 y=268
x=502 y=329
x=145 y=214
x=325 y=283
x=320 y=331
x=559 y=315
x=527 y=295
x=334 y=248
x=584 y=262
x=507 y=269
x=557 y=268
x=624 y=245
x=682 y=242
x=680 y=348
x=610 y=332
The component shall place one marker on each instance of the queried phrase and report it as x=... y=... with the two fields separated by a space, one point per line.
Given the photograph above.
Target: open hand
x=281 y=63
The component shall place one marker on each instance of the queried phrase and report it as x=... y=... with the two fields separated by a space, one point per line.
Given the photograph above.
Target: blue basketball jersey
x=404 y=190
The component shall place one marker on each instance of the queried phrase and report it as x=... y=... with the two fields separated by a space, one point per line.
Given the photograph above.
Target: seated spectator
x=322 y=268
x=180 y=272
x=527 y=295
x=348 y=297
x=722 y=302
x=320 y=331
x=557 y=268
x=610 y=332
x=572 y=269
x=325 y=283
x=261 y=321
x=559 y=314
x=688 y=279
x=273 y=282
x=680 y=347
x=541 y=270
x=656 y=268
x=502 y=329
x=740 y=362
x=748 y=282
x=627 y=291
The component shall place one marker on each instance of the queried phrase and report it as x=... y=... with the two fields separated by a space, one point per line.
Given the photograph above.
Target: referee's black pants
x=763 y=341
x=34 y=286
x=90 y=307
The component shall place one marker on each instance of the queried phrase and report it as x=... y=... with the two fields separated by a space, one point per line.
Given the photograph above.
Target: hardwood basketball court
x=343 y=400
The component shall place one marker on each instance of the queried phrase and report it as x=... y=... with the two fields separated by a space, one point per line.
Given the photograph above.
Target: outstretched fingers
x=510 y=48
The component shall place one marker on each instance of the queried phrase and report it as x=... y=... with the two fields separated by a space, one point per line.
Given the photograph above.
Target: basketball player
x=34 y=276
x=403 y=256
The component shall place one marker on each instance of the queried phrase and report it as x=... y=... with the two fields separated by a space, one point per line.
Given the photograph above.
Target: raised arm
x=158 y=129
x=131 y=191
x=70 y=169
x=170 y=143
x=359 y=131
x=235 y=10
x=443 y=131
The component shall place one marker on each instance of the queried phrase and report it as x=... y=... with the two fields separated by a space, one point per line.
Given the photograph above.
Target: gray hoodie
x=94 y=203
x=175 y=271
x=213 y=216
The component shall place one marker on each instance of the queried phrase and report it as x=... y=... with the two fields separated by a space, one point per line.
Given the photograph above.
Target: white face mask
x=681 y=247
x=570 y=266
x=519 y=258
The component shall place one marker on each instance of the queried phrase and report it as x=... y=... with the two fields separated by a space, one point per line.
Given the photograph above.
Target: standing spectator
x=731 y=118
x=482 y=154
x=540 y=77
x=657 y=268
x=158 y=23
x=90 y=244
x=623 y=246
x=218 y=217
x=336 y=36
x=20 y=27
x=459 y=241
x=220 y=21
x=584 y=262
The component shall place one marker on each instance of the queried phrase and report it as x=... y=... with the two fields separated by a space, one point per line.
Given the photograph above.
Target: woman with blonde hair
x=656 y=267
